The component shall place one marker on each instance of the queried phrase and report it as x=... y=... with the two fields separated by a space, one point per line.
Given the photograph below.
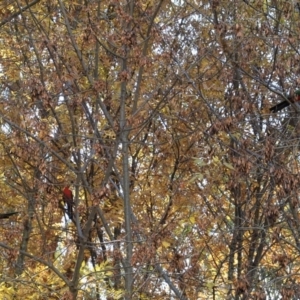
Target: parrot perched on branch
x=285 y=103
x=7 y=215
x=68 y=199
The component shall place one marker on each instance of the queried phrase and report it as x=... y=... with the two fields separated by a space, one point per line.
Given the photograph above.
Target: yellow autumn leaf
x=216 y=159
x=192 y=219
x=210 y=285
x=197 y=176
x=165 y=244
x=229 y=166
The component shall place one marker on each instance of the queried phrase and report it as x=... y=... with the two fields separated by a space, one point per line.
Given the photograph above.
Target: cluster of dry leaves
x=157 y=114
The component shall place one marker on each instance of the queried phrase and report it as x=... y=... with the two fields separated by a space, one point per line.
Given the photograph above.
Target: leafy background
x=157 y=114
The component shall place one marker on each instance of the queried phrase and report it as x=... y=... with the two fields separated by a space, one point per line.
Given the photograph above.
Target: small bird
x=7 y=215
x=68 y=199
x=285 y=103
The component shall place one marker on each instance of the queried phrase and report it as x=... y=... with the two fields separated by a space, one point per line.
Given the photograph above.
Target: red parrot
x=68 y=198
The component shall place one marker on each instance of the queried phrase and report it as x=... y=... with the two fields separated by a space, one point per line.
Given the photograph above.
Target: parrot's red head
x=67 y=192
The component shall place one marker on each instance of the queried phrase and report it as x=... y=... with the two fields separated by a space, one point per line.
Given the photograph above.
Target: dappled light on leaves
x=155 y=116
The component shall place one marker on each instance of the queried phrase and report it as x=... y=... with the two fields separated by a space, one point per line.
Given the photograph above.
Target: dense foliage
x=156 y=113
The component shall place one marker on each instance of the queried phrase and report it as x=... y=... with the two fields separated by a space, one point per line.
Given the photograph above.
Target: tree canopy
x=156 y=115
